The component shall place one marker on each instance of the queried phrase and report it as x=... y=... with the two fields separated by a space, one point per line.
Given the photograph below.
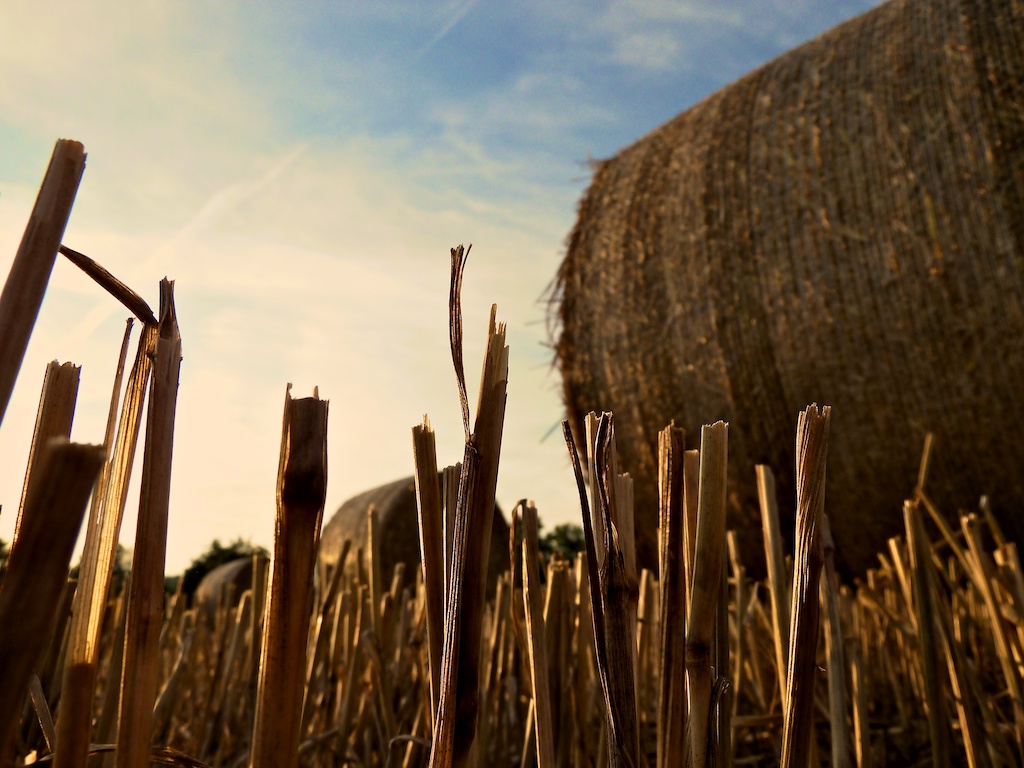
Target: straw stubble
x=38 y=566
x=619 y=597
x=53 y=419
x=672 y=692
x=301 y=489
x=811 y=450
x=142 y=669
x=707 y=575
x=458 y=700
x=535 y=636
x=431 y=527
x=26 y=283
x=101 y=534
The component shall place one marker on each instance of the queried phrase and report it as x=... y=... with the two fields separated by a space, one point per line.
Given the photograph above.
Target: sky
x=301 y=171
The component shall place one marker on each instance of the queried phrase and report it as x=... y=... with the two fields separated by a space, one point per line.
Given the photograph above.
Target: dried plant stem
x=43 y=711
x=142 y=669
x=74 y=720
x=721 y=714
x=103 y=526
x=431 y=525
x=260 y=579
x=536 y=641
x=30 y=272
x=450 y=495
x=707 y=574
x=301 y=489
x=53 y=419
x=840 y=730
x=374 y=571
x=38 y=566
x=924 y=600
x=123 y=293
x=458 y=702
x=691 y=490
x=776 y=566
x=610 y=598
x=982 y=567
x=593 y=473
x=320 y=635
x=672 y=666
x=105 y=728
x=861 y=725
x=619 y=595
x=961 y=677
x=173 y=684
x=101 y=534
x=811 y=450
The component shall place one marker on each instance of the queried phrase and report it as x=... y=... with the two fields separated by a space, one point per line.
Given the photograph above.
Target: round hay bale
x=399 y=530
x=233 y=578
x=845 y=225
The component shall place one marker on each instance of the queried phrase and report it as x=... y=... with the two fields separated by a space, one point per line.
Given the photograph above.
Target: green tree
x=217 y=554
x=5 y=552
x=565 y=540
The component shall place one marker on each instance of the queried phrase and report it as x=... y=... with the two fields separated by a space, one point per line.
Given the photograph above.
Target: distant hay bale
x=226 y=582
x=395 y=503
x=845 y=225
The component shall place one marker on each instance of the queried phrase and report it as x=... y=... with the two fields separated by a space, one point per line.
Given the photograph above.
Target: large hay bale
x=844 y=225
x=399 y=531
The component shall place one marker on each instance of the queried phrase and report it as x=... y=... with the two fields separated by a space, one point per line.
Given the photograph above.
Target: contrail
x=219 y=205
x=229 y=198
x=456 y=17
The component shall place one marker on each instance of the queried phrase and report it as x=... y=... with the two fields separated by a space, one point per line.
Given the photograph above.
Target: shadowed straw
x=38 y=566
x=928 y=636
x=834 y=654
x=982 y=565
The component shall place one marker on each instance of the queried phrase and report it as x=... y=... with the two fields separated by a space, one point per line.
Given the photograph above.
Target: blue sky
x=301 y=171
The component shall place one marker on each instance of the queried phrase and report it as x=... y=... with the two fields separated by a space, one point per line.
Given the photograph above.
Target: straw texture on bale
x=844 y=225
x=395 y=503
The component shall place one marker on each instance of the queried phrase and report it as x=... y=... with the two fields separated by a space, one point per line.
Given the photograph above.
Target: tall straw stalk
x=301 y=490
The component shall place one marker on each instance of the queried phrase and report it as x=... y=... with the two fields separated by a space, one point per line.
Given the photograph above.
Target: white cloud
x=717 y=41
x=656 y=35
